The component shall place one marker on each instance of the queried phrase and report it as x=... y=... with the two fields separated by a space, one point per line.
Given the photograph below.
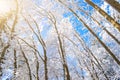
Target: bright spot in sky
x=6 y=6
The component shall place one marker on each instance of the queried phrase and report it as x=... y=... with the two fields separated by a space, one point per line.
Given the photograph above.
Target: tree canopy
x=59 y=39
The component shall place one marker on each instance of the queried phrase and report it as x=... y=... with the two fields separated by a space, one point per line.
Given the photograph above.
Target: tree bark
x=114 y=4
x=66 y=72
x=103 y=13
x=27 y=62
x=15 y=63
x=2 y=57
x=111 y=35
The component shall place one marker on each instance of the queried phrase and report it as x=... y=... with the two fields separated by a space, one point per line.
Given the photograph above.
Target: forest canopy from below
x=59 y=39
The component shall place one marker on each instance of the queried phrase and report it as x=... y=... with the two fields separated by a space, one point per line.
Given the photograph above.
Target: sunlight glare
x=6 y=6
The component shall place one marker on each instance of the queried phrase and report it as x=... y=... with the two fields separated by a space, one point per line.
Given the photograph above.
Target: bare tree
x=114 y=4
x=109 y=18
x=93 y=33
x=27 y=62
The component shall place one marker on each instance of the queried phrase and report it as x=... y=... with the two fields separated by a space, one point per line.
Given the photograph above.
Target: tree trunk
x=111 y=35
x=45 y=65
x=27 y=63
x=90 y=53
x=2 y=57
x=93 y=33
x=41 y=41
x=114 y=4
x=103 y=13
x=15 y=63
x=63 y=55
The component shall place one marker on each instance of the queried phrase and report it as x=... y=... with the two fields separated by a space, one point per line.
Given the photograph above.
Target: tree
x=114 y=4
x=60 y=40
x=110 y=19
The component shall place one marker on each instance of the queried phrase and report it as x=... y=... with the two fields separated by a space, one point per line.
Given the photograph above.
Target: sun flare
x=6 y=6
